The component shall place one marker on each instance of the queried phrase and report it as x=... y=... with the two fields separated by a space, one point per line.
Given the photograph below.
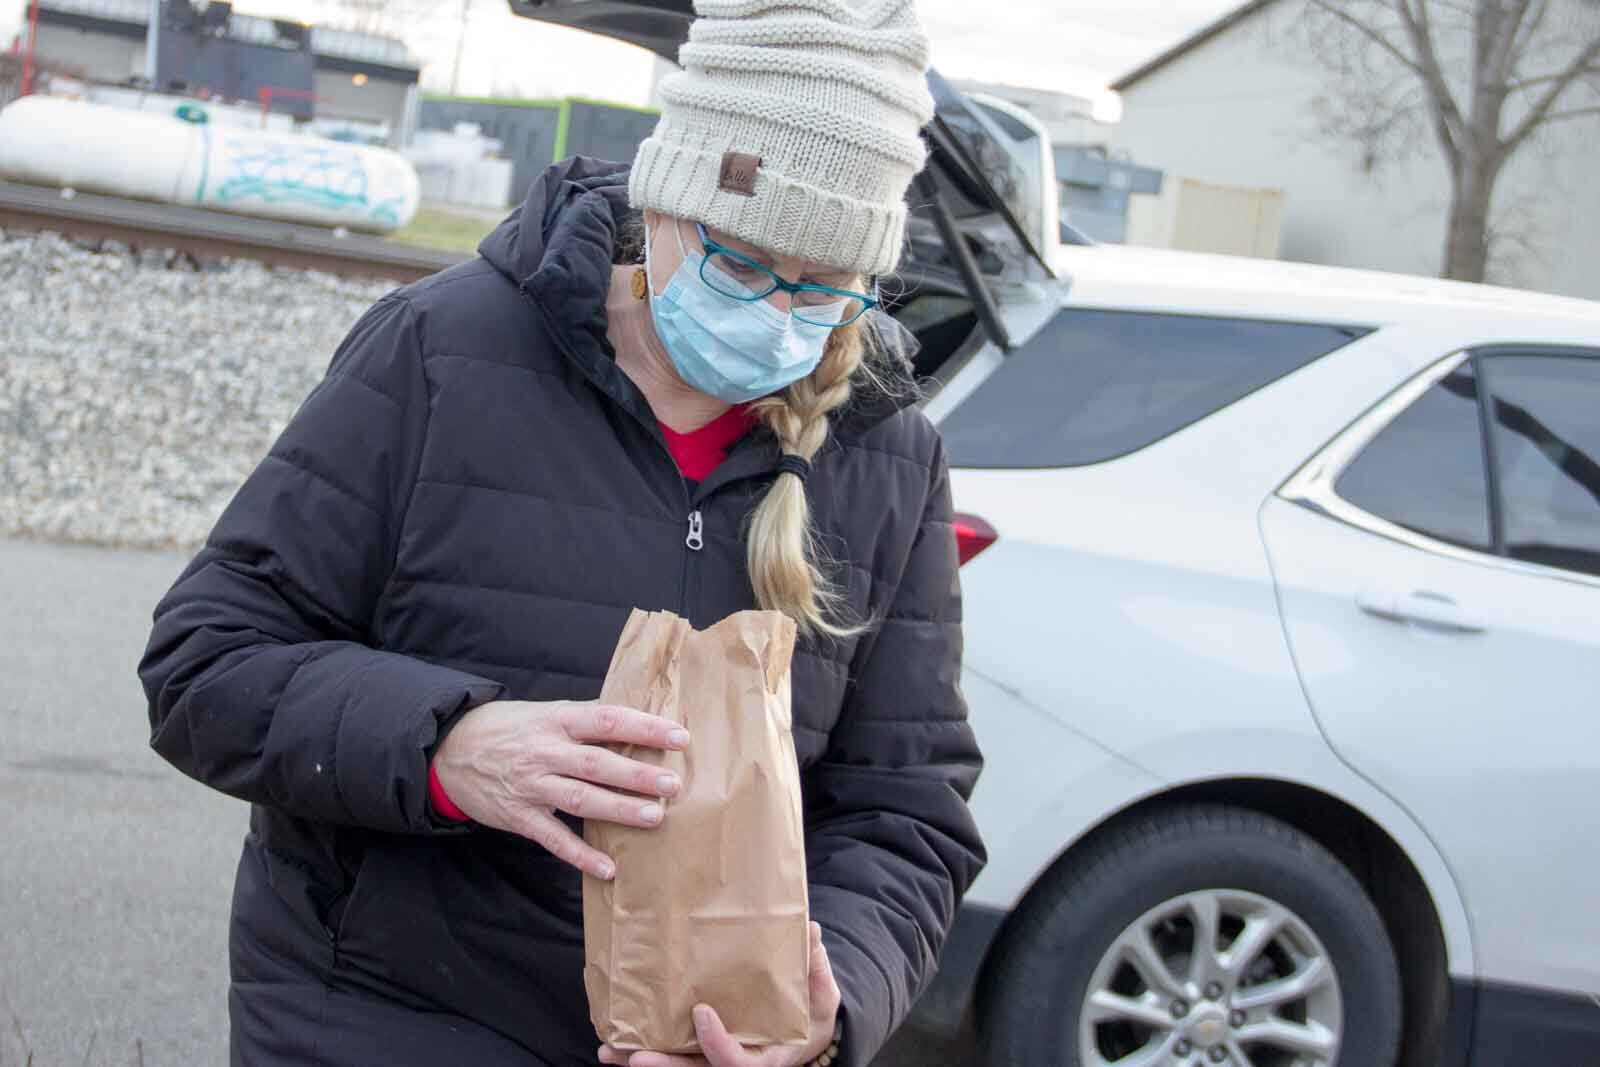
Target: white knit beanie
x=793 y=126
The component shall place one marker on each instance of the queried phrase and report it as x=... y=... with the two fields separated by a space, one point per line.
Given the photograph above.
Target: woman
x=654 y=388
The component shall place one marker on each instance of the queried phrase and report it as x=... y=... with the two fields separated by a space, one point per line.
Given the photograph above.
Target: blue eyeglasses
x=739 y=277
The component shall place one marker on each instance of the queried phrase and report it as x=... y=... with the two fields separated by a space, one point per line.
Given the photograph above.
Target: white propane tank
x=51 y=141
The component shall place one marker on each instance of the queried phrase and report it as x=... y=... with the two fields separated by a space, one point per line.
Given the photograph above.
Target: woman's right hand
x=512 y=764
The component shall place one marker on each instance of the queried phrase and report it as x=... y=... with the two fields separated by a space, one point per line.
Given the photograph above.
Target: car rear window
x=1424 y=470
x=1093 y=385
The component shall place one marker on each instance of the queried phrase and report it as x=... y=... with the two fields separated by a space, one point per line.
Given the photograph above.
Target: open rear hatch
x=657 y=25
x=966 y=233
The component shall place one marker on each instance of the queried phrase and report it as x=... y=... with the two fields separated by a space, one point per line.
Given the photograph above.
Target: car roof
x=1201 y=283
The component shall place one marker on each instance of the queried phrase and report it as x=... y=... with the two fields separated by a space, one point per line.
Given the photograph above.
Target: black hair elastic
x=798 y=466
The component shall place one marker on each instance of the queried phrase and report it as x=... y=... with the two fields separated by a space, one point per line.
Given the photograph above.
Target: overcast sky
x=1065 y=45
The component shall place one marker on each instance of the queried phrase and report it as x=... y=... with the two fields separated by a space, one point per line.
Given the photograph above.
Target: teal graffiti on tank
x=328 y=176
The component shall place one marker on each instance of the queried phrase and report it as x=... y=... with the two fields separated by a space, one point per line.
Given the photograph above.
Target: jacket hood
x=557 y=249
x=558 y=244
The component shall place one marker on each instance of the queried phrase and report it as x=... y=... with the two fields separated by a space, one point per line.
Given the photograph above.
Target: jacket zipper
x=694 y=541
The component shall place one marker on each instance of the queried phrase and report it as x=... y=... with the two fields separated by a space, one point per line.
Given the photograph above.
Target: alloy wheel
x=1217 y=976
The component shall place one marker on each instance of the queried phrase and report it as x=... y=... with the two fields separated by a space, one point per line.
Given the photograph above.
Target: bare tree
x=1483 y=77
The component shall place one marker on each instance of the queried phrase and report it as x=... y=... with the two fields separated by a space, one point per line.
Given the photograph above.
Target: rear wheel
x=1190 y=937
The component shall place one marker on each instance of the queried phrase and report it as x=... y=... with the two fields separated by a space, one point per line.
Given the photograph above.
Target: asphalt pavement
x=115 y=870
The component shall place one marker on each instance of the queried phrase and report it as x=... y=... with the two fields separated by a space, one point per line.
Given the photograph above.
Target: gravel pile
x=138 y=389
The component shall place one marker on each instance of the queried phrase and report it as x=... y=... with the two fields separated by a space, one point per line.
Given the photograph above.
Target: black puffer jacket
x=466 y=508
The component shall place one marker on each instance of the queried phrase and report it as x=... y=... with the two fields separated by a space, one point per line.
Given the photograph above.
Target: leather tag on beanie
x=738 y=174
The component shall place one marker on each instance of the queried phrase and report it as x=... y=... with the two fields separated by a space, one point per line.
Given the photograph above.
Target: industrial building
x=212 y=51
x=535 y=133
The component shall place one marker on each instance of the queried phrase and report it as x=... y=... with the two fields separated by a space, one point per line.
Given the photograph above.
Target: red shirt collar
x=699 y=451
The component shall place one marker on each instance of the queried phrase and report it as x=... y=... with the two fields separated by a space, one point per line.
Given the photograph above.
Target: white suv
x=1282 y=614
x=1283 y=649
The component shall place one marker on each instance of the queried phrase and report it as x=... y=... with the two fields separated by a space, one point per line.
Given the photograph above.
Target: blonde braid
x=782 y=553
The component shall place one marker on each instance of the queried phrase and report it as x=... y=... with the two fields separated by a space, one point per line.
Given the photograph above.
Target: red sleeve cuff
x=441 y=800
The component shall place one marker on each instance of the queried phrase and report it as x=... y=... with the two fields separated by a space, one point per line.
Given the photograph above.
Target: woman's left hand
x=720 y=1050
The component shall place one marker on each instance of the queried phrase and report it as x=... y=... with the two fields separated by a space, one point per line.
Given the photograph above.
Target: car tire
x=1155 y=873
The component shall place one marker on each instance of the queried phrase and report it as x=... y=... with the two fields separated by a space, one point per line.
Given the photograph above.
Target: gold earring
x=640 y=283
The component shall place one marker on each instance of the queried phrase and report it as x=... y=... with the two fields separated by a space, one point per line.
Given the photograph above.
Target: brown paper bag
x=710 y=906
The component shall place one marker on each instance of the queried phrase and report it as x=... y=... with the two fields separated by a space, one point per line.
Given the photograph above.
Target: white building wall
x=1240 y=110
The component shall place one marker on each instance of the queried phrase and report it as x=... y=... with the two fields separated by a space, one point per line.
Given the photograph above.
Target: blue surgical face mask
x=730 y=349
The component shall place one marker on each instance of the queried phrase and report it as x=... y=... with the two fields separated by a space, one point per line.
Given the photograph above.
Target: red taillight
x=973 y=535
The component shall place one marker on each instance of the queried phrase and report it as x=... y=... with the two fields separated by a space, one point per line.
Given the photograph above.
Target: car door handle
x=1422 y=607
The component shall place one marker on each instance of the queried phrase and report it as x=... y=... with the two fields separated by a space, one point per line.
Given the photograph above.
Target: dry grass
x=452 y=231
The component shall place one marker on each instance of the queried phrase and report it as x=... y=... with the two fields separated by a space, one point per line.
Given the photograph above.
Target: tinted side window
x=1094 y=385
x=1547 y=457
x=1424 y=470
